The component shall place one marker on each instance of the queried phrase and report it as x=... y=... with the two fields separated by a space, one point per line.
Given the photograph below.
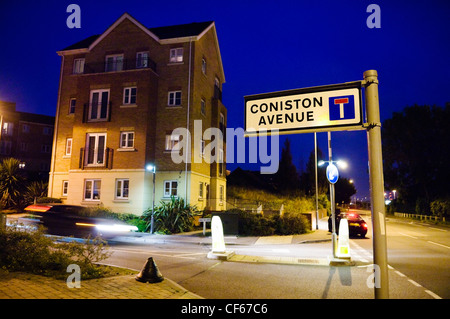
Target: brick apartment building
x=121 y=94
x=27 y=137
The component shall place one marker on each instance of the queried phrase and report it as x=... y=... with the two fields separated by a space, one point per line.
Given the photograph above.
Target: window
x=220 y=162
x=5 y=147
x=221 y=193
x=142 y=60
x=204 y=66
x=8 y=129
x=170 y=188
x=23 y=147
x=122 y=187
x=95 y=149
x=92 y=189
x=46 y=148
x=78 y=66
x=114 y=63
x=203 y=107
x=99 y=105
x=47 y=130
x=72 y=104
x=172 y=141
x=176 y=55
x=25 y=128
x=127 y=140
x=202 y=148
x=65 y=188
x=129 y=95
x=69 y=146
x=200 y=190
x=174 y=98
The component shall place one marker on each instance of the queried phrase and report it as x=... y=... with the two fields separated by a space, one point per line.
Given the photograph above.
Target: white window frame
x=142 y=59
x=116 y=64
x=125 y=139
x=220 y=162
x=78 y=66
x=200 y=190
x=169 y=188
x=120 y=188
x=72 y=106
x=203 y=106
x=99 y=105
x=69 y=144
x=176 y=55
x=127 y=95
x=96 y=184
x=172 y=98
x=221 y=193
x=65 y=188
x=8 y=129
x=172 y=142
x=96 y=150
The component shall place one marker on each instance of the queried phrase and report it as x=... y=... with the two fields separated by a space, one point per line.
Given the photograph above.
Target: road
x=418 y=256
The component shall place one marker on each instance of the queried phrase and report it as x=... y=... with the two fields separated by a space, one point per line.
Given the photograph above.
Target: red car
x=356 y=225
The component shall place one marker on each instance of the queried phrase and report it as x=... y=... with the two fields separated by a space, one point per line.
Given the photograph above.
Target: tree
x=308 y=178
x=416 y=148
x=287 y=179
x=344 y=190
x=11 y=183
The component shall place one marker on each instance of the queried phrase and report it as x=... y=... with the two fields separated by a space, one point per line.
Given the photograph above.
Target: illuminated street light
x=152 y=168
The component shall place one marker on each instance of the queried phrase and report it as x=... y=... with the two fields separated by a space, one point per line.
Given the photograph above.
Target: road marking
x=432 y=242
x=432 y=294
x=408 y=235
x=151 y=252
x=414 y=283
x=399 y=273
x=444 y=230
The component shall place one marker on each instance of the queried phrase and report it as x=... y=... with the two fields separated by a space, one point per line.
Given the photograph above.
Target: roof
x=163 y=33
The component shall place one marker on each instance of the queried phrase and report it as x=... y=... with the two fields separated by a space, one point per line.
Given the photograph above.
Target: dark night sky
x=266 y=46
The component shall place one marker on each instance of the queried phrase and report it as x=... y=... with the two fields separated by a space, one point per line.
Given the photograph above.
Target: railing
x=420 y=216
x=102 y=114
x=106 y=164
x=119 y=65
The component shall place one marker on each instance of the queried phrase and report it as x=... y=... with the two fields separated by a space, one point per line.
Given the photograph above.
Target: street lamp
x=152 y=168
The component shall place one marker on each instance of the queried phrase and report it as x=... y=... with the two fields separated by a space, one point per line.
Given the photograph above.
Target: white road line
x=432 y=294
x=432 y=242
x=399 y=273
x=408 y=235
x=153 y=253
x=414 y=283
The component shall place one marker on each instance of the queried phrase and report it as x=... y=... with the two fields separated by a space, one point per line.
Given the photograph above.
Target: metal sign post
x=376 y=183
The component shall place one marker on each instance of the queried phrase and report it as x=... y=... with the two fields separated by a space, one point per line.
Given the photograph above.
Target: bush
x=440 y=207
x=171 y=217
x=251 y=224
x=32 y=251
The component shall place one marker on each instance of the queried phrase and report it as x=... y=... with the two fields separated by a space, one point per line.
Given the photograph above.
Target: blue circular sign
x=332 y=173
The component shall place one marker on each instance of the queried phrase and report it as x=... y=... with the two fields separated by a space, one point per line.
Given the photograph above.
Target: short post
x=376 y=182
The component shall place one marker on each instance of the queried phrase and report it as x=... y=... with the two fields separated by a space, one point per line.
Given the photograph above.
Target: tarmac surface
x=18 y=285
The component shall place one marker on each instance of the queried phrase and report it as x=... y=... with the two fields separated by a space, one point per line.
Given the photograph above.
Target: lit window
x=127 y=140
x=176 y=55
x=69 y=146
x=8 y=129
x=92 y=189
x=122 y=188
x=172 y=141
x=78 y=66
x=170 y=188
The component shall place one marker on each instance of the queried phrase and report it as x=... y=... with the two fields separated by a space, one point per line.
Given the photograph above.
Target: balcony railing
x=102 y=112
x=107 y=162
x=119 y=65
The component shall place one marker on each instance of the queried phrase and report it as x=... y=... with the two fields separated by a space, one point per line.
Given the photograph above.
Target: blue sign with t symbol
x=342 y=107
x=332 y=173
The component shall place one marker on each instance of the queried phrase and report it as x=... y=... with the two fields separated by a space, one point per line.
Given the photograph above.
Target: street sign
x=332 y=173
x=322 y=108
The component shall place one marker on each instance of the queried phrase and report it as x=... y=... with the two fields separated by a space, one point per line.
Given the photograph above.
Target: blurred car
x=356 y=224
x=73 y=220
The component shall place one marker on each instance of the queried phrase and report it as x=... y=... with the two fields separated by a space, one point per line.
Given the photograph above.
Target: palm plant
x=11 y=182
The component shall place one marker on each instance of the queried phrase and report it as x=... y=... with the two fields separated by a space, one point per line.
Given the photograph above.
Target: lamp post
x=152 y=168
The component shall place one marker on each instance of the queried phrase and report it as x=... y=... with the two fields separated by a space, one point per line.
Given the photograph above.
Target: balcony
x=103 y=162
x=119 y=65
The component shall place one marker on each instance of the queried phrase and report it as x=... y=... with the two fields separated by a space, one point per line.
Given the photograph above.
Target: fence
x=419 y=216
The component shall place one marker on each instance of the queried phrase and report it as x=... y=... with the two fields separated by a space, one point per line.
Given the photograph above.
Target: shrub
x=32 y=251
x=440 y=207
x=291 y=225
x=174 y=216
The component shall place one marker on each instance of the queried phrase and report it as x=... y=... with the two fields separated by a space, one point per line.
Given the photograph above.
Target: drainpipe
x=188 y=152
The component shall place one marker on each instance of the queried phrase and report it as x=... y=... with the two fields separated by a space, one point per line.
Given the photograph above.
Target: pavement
x=18 y=285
